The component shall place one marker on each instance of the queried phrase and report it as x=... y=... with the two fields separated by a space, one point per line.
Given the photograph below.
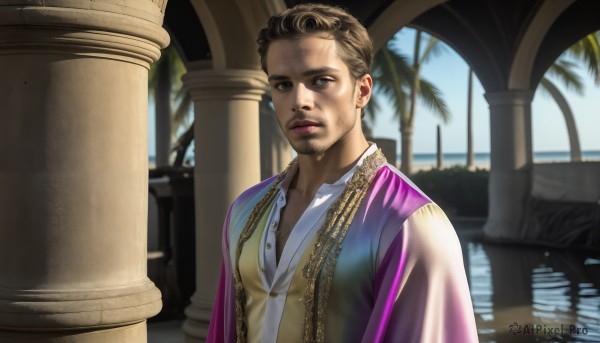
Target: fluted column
x=74 y=169
x=511 y=161
x=227 y=163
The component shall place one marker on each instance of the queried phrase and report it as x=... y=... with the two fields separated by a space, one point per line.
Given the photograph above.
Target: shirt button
x=262 y=269
x=268 y=245
x=272 y=294
x=274 y=224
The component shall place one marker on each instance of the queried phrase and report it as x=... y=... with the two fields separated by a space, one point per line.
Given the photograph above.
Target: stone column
x=227 y=163
x=511 y=161
x=74 y=169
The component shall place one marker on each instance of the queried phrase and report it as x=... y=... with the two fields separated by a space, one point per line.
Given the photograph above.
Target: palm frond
x=433 y=49
x=587 y=50
x=181 y=116
x=171 y=57
x=391 y=77
x=431 y=96
x=563 y=71
x=176 y=66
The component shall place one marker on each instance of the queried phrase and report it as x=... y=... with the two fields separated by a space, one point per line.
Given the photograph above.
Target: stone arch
x=519 y=77
x=581 y=19
x=533 y=35
x=231 y=28
x=187 y=33
x=395 y=16
x=528 y=69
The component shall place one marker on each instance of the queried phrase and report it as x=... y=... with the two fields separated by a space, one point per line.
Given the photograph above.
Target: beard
x=307 y=147
x=318 y=145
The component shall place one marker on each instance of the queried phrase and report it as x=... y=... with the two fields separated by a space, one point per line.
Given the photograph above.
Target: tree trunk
x=470 y=153
x=439 y=148
x=162 y=97
x=407 y=124
x=182 y=145
x=406 y=132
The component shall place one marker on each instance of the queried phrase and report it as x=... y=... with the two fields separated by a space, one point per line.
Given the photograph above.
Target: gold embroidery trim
x=324 y=255
x=329 y=245
x=240 y=295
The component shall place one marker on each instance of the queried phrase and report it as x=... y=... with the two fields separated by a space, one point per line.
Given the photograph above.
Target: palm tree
x=434 y=101
x=165 y=89
x=586 y=51
x=401 y=83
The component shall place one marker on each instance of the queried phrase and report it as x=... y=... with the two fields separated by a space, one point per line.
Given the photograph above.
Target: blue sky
x=449 y=73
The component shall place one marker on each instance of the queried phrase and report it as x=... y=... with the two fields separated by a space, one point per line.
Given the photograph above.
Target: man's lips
x=304 y=127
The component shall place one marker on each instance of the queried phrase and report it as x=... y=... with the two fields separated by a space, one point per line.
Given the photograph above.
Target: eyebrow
x=309 y=72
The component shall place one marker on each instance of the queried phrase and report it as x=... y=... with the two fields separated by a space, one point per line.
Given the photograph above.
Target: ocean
x=482 y=159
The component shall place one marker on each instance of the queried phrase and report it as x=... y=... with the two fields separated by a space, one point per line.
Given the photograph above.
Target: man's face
x=316 y=101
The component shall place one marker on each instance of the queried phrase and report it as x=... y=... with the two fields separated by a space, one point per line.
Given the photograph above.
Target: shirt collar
x=326 y=187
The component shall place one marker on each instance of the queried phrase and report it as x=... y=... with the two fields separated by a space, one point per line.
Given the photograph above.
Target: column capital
x=93 y=31
x=148 y=10
x=213 y=84
x=510 y=97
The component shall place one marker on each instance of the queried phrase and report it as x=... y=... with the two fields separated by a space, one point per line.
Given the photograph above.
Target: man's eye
x=283 y=85
x=322 y=81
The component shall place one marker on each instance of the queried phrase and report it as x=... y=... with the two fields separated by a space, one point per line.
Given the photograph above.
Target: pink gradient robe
x=399 y=277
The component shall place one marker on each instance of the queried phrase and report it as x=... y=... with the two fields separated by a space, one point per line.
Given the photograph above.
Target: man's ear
x=365 y=86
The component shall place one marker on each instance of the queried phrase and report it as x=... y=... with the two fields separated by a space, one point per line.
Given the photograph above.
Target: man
x=340 y=247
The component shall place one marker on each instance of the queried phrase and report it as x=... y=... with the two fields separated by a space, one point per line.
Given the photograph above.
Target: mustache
x=301 y=116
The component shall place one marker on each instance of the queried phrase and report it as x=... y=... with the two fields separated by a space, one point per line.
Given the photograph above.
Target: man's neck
x=327 y=167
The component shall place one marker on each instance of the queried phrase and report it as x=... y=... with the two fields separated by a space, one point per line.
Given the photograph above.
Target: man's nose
x=302 y=98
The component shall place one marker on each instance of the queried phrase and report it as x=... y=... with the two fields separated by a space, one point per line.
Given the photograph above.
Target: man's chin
x=307 y=148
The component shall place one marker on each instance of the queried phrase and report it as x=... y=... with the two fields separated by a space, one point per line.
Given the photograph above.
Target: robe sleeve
x=222 y=322
x=421 y=292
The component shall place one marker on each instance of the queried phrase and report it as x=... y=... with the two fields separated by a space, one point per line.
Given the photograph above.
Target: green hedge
x=457 y=190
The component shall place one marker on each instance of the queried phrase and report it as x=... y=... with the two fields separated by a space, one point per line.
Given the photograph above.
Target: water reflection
x=481 y=288
x=533 y=294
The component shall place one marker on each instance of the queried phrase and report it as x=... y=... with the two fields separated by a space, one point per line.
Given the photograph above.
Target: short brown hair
x=309 y=19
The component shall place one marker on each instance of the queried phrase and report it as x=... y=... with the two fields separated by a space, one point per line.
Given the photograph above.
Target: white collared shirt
x=277 y=278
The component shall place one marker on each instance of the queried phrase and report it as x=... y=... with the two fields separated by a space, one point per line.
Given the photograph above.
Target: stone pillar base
x=124 y=334
x=198 y=317
x=40 y=310
x=508 y=192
